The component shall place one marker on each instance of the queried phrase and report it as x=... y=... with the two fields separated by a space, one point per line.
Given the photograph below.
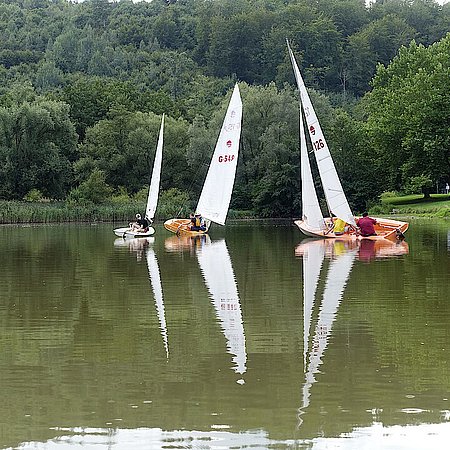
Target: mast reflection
x=142 y=247
x=342 y=255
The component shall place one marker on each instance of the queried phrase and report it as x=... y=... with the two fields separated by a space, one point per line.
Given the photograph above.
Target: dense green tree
x=378 y=42
x=91 y=98
x=409 y=114
x=122 y=146
x=360 y=167
x=268 y=171
x=37 y=146
x=348 y=15
x=94 y=189
x=113 y=61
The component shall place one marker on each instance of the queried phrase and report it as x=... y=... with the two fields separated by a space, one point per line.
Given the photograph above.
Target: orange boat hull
x=182 y=227
x=385 y=229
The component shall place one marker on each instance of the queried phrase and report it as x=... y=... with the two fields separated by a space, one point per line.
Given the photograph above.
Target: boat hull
x=182 y=227
x=125 y=232
x=385 y=229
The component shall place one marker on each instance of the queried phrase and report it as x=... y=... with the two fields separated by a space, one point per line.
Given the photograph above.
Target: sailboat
x=313 y=223
x=215 y=264
x=215 y=197
x=153 y=193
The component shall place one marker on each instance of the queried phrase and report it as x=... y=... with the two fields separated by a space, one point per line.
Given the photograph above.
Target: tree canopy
x=83 y=86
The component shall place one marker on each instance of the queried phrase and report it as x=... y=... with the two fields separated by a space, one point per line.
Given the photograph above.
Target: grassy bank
x=59 y=212
x=416 y=205
x=24 y=212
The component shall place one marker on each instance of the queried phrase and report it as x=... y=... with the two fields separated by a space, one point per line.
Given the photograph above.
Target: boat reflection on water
x=135 y=245
x=342 y=254
x=369 y=249
x=186 y=243
x=217 y=270
x=141 y=247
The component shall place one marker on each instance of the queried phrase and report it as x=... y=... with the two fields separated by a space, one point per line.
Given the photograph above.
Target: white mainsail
x=216 y=194
x=311 y=212
x=155 y=280
x=338 y=273
x=215 y=264
x=153 y=192
x=334 y=194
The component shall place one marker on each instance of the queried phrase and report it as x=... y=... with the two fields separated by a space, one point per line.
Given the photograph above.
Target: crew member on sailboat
x=366 y=225
x=141 y=224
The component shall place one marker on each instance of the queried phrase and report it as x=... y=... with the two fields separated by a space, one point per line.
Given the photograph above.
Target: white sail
x=338 y=273
x=216 y=194
x=215 y=264
x=153 y=192
x=334 y=194
x=155 y=280
x=311 y=212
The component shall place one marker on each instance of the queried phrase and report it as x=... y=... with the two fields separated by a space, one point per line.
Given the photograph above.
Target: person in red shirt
x=366 y=225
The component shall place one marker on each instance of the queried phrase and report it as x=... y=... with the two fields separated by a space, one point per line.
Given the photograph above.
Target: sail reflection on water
x=338 y=271
x=141 y=247
x=342 y=255
x=155 y=280
x=217 y=270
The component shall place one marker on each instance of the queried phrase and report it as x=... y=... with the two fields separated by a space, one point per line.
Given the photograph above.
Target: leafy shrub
x=141 y=195
x=34 y=195
x=388 y=194
x=121 y=197
x=93 y=190
x=174 y=203
x=443 y=213
x=418 y=185
x=380 y=209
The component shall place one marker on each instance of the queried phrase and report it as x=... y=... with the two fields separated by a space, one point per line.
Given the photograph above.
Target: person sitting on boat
x=339 y=227
x=366 y=225
x=198 y=224
x=140 y=225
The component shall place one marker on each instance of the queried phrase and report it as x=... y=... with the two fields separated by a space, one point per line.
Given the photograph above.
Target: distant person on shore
x=366 y=225
x=447 y=188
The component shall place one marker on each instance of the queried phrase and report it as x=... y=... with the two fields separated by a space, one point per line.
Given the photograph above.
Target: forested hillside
x=83 y=87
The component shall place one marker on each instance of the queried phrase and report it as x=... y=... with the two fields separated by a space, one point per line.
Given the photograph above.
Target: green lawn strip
x=438 y=205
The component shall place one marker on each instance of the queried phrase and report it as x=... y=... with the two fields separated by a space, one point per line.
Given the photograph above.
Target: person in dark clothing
x=366 y=225
x=140 y=225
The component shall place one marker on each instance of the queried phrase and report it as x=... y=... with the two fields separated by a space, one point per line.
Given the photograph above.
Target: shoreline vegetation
x=22 y=212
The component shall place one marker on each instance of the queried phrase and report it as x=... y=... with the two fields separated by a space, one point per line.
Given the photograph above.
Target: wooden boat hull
x=385 y=229
x=125 y=232
x=182 y=227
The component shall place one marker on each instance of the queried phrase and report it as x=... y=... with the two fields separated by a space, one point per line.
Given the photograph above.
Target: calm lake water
x=251 y=338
